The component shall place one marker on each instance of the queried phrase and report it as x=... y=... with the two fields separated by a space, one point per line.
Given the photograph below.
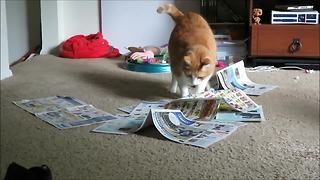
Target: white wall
x=63 y=19
x=5 y=71
x=80 y=17
x=124 y=23
x=51 y=27
x=17 y=29
x=136 y=23
x=23 y=23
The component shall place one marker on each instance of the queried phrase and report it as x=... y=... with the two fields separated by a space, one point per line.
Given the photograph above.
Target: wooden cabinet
x=279 y=42
x=269 y=40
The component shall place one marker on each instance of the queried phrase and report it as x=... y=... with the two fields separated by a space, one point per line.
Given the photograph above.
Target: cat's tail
x=170 y=9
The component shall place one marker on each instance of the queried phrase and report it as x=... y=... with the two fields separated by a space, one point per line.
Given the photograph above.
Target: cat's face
x=197 y=66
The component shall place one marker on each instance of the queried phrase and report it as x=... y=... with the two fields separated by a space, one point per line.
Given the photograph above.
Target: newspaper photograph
x=75 y=116
x=234 y=99
x=234 y=76
x=239 y=116
x=51 y=103
x=200 y=108
x=175 y=126
x=64 y=112
x=237 y=99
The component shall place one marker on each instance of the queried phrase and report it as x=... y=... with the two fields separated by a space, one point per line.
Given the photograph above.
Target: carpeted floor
x=285 y=146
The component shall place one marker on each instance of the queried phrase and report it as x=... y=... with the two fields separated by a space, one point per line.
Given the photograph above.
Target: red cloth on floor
x=91 y=46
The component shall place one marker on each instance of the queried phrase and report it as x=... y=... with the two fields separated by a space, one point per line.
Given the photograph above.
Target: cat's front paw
x=173 y=90
x=184 y=94
x=184 y=91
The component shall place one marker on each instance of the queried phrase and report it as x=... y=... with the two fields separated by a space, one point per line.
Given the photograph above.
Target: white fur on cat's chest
x=184 y=83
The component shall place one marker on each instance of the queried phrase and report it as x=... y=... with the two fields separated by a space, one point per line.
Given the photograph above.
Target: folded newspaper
x=193 y=127
x=199 y=121
x=175 y=126
x=64 y=112
x=234 y=76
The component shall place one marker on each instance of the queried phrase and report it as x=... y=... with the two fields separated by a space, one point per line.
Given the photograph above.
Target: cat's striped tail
x=170 y=9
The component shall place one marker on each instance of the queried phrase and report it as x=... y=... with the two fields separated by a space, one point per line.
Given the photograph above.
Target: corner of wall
x=5 y=70
x=51 y=28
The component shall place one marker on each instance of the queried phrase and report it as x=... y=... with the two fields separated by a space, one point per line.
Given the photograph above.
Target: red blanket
x=91 y=46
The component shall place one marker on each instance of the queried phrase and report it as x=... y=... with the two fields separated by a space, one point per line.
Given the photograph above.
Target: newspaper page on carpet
x=47 y=104
x=173 y=125
x=234 y=76
x=64 y=112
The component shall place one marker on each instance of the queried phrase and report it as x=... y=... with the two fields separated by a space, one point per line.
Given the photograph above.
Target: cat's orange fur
x=192 y=50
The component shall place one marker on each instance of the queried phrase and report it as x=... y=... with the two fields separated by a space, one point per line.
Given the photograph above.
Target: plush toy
x=256 y=12
x=147 y=54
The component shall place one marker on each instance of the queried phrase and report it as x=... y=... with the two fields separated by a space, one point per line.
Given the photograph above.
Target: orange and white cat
x=192 y=51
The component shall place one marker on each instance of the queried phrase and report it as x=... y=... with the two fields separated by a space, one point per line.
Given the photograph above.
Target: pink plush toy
x=220 y=64
x=142 y=55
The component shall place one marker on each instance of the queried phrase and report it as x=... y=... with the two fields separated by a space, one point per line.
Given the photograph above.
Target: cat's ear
x=187 y=60
x=206 y=62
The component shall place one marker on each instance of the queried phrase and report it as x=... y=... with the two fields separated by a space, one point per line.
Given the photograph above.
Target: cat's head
x=198 y=64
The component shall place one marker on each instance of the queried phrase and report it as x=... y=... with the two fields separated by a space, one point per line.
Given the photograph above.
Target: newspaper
x=173 y=125
x=52 y=103
x=64 y=112
x=235 y=99
x=234 y=76
x=133 y=122
x=201 y=108
x=196 y=121
x=127 y=109
x=120 y=126
x=237 y=116
x=190 y=121
x=204 y=109
x=237 y=106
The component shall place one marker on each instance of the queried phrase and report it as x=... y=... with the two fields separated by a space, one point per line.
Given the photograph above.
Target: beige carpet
x=285 y=146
